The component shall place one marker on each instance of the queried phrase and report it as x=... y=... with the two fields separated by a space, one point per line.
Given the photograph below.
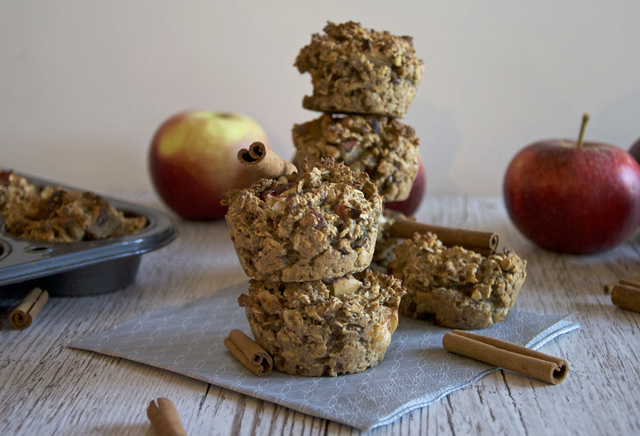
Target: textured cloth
x=415 y=372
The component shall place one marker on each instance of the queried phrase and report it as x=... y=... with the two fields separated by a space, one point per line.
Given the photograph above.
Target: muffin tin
x=79 y=268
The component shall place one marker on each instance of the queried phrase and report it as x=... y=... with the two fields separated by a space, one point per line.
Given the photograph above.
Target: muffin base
x=325 y=327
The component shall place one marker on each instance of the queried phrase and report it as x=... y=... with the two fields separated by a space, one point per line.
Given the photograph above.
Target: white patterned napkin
x=415 y=372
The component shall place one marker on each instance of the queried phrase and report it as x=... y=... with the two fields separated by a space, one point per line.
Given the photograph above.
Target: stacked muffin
x=363 y=80
x=306 y=240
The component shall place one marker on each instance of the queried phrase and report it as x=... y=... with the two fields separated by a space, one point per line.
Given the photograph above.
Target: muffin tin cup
x=67 y=269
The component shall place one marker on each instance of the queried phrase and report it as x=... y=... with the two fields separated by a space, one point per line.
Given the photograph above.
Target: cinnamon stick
x=507 y=355
x=26 y=311
x=608 y=288
x=484 y=243
x=164 y=418
x=250 y=354
x=626 y=294
x=264 y=162
x=635 y=282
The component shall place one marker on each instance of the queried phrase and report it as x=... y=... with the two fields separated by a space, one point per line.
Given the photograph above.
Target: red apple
x=193 y=160
x=412 y=203
x=574 y=197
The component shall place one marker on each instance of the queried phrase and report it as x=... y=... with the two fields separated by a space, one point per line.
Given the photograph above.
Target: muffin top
x=327 y=185
x=362 y=49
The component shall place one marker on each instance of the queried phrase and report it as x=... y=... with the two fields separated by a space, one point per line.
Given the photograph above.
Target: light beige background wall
x=84 y=84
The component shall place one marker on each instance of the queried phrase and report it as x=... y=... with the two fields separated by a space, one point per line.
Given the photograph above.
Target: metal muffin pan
x=67 y=269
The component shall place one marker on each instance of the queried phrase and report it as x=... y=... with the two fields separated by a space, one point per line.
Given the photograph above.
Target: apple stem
x=585 y=120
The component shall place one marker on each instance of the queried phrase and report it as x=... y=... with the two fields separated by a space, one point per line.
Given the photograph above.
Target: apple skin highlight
x=193 y=161
x=578 y=200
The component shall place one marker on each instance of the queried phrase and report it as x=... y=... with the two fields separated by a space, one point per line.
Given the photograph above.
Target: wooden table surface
x=47 y=388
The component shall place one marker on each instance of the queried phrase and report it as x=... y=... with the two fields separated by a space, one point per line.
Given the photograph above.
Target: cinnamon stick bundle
x=264 y=162
x=484 y=243
x=250 y=354
x=26 y=311
x=164 y=418
x=626 y=294
x=507 y=355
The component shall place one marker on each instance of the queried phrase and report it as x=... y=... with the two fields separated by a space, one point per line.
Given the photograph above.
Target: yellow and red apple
x=193 y=160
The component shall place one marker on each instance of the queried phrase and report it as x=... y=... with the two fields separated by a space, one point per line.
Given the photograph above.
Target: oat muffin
x=325 y=327
x=319 y=224
x=357 y=70
x=382 y=147
x=15 y=189
x=56 y=214
x=456 y=288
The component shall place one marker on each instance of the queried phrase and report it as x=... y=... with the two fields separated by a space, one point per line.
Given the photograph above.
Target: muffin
x=56 y=214
x=324 y=327
x=454 y=287
x=356 y=70
x=318 y=224
x=15 y=189
x=382 y=147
